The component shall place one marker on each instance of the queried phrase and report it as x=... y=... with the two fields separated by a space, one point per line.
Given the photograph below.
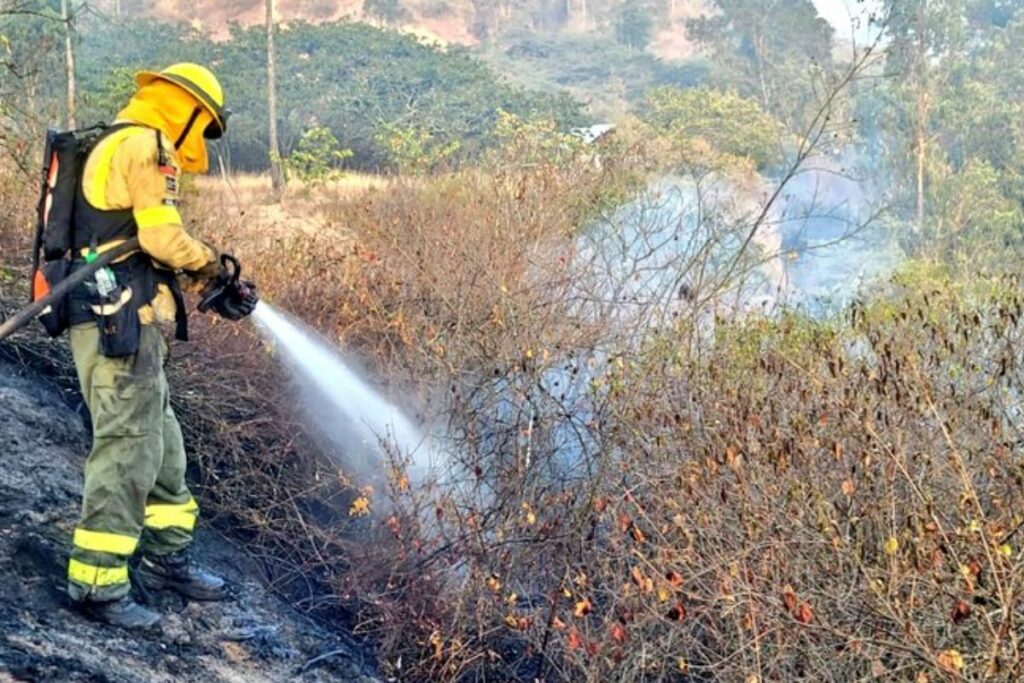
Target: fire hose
x=27 y=314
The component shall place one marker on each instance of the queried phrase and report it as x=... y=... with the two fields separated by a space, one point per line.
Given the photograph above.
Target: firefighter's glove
x=198 y=280
x=228 y=295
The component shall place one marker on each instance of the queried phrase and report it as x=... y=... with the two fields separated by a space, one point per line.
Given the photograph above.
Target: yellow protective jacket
x=123 y=172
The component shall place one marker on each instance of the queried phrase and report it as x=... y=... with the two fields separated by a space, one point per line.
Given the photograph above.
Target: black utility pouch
x=55 y=316
x=119 y=324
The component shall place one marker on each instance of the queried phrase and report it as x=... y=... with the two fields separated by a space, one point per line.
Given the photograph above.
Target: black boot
x=177 y=572
x=124 y=612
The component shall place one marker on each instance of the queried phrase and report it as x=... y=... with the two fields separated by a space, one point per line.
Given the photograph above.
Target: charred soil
x=252 y=637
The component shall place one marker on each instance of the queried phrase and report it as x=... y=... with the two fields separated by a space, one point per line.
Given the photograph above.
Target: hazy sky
x=838 y=13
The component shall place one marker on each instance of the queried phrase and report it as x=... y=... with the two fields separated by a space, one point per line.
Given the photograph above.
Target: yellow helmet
x=202 y=84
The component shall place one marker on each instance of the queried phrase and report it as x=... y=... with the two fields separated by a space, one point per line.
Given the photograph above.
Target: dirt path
x=252 y=638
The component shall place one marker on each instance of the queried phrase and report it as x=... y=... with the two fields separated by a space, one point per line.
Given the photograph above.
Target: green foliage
x=633 y=25
x=769 y=50
x=730 y=124
x=955 y=104
x=608 y=75
x=317 y=158
x=970 y=218
x=388 y=11
x=358 y=81
x=533 y=142
x=414 y=150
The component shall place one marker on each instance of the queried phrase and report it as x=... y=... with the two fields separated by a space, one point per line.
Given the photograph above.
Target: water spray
x=331 y=389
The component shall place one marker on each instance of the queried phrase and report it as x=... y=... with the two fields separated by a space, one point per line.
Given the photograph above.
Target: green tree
x=728 y=123
x=970 y=214
x=950 y=125
x=387 y=11
x=353 y=79
x=414 y=150
x=633 y=26
x=769 y=50
x=317 y=158
x=926 y=38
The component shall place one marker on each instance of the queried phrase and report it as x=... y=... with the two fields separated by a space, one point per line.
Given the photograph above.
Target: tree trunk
x=117 y=8
x=921 y=116
x=921 y=154
x=276 y=177
x=69 y=62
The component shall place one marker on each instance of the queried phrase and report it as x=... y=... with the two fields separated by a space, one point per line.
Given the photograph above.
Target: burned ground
x=253 y=637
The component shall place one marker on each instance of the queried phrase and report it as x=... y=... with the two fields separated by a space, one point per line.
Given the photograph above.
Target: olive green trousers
x=135 y=487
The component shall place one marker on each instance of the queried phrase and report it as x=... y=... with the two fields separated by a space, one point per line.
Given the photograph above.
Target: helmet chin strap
x=188 y=128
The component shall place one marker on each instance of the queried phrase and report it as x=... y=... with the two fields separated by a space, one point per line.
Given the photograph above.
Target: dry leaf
x=677 y=613
x=234 y=652
x=804 y=614
x=961 y=610
x=951 y=660
x=878 y=669
x=789 y=598
x=643 y=583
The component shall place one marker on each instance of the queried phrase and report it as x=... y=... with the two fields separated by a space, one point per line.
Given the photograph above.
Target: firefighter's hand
x=197 y=280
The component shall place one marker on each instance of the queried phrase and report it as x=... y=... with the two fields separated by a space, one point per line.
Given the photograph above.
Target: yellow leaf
x=437 y=643
x=663 y=594
x=494 y=583
x=683 y=666
x=511 y=621
x=891 y=546
x=1006 y=550
x=512 y=598
x=531 y=517
x=951 y=660
x=360 y=507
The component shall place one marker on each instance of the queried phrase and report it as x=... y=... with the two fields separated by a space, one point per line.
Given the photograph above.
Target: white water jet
x=344 y=407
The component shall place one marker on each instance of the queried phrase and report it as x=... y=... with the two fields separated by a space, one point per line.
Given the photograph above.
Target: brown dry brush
x=813 y=502
x=805 y=501
x=797 y=500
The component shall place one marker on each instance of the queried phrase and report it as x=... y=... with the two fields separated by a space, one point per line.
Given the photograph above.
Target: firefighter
x=135 y=496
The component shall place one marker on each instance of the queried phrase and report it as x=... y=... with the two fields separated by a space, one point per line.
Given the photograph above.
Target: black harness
x=94 y=227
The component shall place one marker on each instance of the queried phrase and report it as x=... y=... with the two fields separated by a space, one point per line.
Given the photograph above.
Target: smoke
x=358 y=425
x=818 y=246
x=831 y=241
